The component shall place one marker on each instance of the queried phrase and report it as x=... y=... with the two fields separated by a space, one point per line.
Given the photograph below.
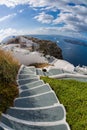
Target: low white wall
x=62 y=64
x=28 y=59
x=65 y=75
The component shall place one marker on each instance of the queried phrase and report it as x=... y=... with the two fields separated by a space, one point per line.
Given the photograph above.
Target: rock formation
x=47 y=47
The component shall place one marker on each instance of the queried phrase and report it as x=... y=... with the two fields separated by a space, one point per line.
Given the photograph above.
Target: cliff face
x=48 y=47
x=45 y=46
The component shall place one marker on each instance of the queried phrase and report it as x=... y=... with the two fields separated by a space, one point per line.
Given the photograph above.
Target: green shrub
x=7 y=95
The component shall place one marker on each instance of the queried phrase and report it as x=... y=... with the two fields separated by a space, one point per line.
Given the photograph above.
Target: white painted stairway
x=36 y=108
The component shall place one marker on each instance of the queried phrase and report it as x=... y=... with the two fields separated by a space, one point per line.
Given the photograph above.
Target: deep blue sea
x=74 y=53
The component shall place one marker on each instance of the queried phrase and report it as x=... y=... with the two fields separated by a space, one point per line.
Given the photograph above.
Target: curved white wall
x=30 y=58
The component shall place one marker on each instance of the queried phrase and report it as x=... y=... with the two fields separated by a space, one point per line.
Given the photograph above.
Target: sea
x=74 y=52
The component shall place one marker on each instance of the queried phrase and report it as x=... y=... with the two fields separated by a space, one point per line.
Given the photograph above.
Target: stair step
x=25 y=81
x=31 y=85
x=18 y=124
x=24 y=76
x=40 y=100
x=37 y=90
x=53 y=113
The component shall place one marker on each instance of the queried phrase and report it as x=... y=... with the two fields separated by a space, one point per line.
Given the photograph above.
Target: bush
x=7 y=94
x=8 y=73
x=8 y=67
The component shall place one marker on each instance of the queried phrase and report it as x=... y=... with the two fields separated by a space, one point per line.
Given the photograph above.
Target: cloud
x=55 y=4
x=56 y=30
x=9 y=32
x=13 y=3
x=60 y=31
x=73 y=17
x=43 y=30
x=7 y=17
x=44 y=18
x=76 y=17
x=20 y=11
x=40 y=3
x=67 y=18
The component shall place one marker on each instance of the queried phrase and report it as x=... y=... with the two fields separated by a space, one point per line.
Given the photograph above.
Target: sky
x=50 y=17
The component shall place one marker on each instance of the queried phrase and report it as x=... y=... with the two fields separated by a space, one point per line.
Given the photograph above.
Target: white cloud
x=40 y=3
x=56 y=30
x=13 y=3
x=44 y=18
x=71 y=16
x=66 y=18
x=76 y=20
x=59 y=31
x=7 y=17
x=20 y=11
x=54 y=4
x=74 y=17
x=9 y=32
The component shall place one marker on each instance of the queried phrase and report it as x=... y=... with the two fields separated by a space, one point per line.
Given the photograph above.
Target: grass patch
x=8 y=87
x=73 y=95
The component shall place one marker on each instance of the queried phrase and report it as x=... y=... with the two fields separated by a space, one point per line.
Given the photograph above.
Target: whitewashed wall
x=31 y=58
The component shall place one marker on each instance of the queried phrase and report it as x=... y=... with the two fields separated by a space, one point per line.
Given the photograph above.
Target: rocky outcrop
x=48 y=47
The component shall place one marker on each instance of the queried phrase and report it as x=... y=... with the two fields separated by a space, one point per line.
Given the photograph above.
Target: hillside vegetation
x=47 y=47
x=8 y=72
x=73 y=95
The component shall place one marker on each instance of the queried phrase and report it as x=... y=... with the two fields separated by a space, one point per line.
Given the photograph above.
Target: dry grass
x=8 y=72
x=40 y=65
x=8 y=67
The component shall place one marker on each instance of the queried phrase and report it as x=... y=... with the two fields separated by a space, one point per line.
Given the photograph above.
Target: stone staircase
x=36 y=108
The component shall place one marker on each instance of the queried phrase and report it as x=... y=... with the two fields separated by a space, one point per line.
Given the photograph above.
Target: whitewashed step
x=28 y=80
x=30 y=68
x=18 y=124
x=26 y=72
x=5 y=127
x=39 y=72
x=40 y=100
x=1 y=128
x=24 y=76
x=55 y=71
x=31 y=85
x=34 y=91
x=49 y=114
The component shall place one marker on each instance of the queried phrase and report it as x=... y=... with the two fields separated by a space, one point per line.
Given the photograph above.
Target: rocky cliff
x=45 y=46
x=48 y=47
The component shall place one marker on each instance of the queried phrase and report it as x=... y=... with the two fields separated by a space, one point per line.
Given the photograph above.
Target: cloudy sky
x=60 y=17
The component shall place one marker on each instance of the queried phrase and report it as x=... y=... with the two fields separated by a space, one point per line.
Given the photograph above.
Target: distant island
x=73 y=41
